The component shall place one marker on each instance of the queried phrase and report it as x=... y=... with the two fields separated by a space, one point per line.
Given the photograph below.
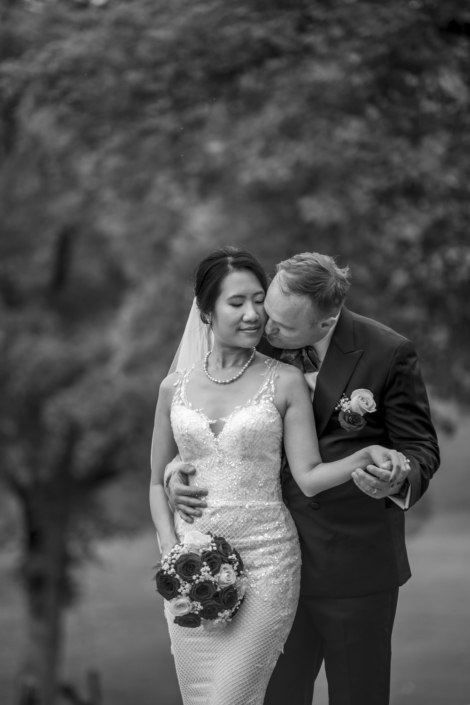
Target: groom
x=352 y=536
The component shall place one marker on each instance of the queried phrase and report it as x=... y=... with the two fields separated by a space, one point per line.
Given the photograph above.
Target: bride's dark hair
x=213 y=269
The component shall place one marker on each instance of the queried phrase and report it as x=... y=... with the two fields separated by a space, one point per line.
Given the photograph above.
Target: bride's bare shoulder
x=168 y=385
x=262 y=358
x=290 y=377
x=286 y=374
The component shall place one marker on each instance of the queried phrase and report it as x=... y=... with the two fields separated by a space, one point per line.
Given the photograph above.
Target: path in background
x=119 y=625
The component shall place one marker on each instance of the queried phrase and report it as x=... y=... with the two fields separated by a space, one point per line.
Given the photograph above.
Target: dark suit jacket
x=353 y=544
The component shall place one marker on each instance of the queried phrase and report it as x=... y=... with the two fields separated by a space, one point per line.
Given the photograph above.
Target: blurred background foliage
x=138 y=135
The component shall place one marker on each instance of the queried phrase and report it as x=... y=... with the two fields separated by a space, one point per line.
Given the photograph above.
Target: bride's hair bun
x=213 y=269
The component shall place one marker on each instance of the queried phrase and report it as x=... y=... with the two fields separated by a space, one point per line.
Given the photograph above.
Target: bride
x=228 y=414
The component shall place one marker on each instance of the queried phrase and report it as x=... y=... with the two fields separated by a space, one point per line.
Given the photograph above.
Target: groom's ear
x=328 y=323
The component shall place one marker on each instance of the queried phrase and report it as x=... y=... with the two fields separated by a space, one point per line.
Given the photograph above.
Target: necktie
x=306 y=359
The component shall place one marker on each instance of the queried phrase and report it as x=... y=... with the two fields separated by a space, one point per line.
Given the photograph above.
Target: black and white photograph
x=234 y=352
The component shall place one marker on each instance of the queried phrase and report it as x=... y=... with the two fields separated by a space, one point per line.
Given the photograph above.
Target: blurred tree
x=67 y=423
x=137 y=135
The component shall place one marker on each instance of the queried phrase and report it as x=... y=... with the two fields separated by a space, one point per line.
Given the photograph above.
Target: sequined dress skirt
x=233 y=667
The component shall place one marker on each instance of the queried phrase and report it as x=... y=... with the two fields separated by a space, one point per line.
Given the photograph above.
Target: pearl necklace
x=232 y=379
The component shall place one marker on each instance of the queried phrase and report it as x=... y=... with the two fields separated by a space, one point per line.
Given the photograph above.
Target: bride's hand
x=392 y=461
x=386 y=473
x=167 y=546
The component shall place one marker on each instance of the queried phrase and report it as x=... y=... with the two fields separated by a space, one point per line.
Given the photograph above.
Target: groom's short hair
x=318 y=277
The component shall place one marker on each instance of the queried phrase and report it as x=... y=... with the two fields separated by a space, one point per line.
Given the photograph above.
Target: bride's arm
x=301 y=443
x=163 y=451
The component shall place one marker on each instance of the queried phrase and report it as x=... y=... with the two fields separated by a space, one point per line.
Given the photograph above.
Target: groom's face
x=292 y=320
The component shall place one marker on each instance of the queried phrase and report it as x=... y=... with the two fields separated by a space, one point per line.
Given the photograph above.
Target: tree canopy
x=138 y=135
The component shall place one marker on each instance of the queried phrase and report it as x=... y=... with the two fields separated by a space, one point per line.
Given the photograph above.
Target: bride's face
x=239 y=317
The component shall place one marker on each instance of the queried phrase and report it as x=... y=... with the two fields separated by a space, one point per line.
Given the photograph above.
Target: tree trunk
x=45 y=576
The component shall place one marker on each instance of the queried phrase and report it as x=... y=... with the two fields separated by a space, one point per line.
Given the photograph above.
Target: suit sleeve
x=408 y=419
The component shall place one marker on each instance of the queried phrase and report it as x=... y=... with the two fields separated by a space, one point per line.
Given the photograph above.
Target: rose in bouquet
x=203 y=580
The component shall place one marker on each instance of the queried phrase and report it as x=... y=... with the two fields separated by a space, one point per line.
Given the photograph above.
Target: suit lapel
x=337 y=368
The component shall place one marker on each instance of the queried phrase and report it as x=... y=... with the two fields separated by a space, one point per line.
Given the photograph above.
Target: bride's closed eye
x=259 y=303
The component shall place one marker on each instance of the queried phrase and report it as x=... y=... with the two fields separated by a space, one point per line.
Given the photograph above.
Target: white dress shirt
x=321 y=348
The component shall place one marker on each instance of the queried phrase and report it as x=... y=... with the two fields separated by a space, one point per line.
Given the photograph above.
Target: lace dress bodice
x=242 y=462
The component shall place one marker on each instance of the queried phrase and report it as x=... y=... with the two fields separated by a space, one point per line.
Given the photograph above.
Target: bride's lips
x=249 y=330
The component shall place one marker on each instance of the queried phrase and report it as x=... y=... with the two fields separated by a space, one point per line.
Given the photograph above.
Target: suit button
x=315 y=505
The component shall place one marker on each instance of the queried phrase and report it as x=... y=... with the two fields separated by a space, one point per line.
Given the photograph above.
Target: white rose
x=226 y=576
x=362 y=402
x=179 y=606
x=196 y=541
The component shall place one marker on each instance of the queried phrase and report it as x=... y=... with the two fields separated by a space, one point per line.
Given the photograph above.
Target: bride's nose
x=250 y=314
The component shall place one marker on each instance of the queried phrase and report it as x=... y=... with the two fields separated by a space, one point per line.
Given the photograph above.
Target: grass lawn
x=119 y=627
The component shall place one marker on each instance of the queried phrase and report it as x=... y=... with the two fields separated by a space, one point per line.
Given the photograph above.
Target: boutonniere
x=351 y=411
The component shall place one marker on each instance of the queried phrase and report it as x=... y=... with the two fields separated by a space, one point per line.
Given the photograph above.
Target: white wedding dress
x=241 y=469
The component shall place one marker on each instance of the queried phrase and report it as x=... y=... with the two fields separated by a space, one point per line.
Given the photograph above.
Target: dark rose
x=188 y=565
x=211 y=609
x=167 y=585
x=240 y=565
x=213 y=560
x=191 y=620
x=202 y=591
x=223 y=547
x=351 y=421
x=229 y=597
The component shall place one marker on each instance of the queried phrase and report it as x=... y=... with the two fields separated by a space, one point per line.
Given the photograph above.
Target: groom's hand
x=385 y=477
x=185 y=500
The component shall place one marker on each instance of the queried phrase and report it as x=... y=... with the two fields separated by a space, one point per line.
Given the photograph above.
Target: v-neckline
x=228 y=418
x=222 y=418
x=250 y=402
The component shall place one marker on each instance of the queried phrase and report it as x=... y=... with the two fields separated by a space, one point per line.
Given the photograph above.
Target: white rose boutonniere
x=362 y=402
x=352 y=411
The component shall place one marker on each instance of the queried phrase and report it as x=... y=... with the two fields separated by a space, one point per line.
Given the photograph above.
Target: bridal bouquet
x=203 y=580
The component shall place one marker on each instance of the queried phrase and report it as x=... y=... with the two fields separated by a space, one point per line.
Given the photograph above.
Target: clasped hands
x=383 y=477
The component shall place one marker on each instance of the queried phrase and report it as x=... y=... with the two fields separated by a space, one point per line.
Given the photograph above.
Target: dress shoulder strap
x=179 y=396
x=267 y=390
